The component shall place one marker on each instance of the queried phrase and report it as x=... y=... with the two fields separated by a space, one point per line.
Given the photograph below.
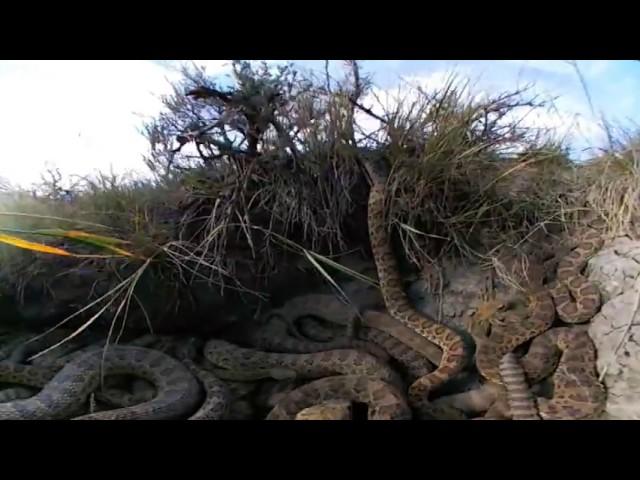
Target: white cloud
x=550 y=66
x=566 y=67
x=78 y=115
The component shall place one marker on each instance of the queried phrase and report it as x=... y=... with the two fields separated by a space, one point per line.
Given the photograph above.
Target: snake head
x=375 y=167
x=478 y=324
x=488 y=309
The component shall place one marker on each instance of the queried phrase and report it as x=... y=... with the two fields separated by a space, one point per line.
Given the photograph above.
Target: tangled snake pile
x=317 y=371
x=569 y=351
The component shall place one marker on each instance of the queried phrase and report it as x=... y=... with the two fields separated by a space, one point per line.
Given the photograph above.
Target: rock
x=615 y=330
x=616 y=267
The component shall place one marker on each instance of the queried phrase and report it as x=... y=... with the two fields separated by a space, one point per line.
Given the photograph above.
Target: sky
x=86 y=116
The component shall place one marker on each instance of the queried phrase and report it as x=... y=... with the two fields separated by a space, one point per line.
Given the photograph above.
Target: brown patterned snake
x=44 y=367
x=577 y=300
x=224 y=388
x=577 y=391
x=363 y=378
x=334 y=311
x=177 y=395
x=340 y=389
x=385 y=401
x=329 y=410
x=410 y=361
x=272 y=335
x=305 y=365
x=511 y=332
x=454 y=355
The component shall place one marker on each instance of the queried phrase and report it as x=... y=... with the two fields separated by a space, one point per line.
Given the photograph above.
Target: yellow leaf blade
x=92 y=236
x=89 y=238
x=27 y=245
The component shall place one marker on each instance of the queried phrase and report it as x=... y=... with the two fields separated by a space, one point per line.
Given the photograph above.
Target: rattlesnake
x=43 y=369
x=218 y=396
x=577 y=299
x=272 y=334
x=411 y=362
x=363 y=377
x=454 y=354
x=385 y=401
x=115 y=391
x=327 y=307
x=334 y=311
x=329 y=410
x=577 y=392
x=509 y=333
x=522 y=403
x=306 y=365
x=350 y=375
x=178 y=391
x=236 y=359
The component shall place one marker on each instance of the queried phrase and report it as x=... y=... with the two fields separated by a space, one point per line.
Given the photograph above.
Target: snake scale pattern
x=392 y=363
x=178 y=390
x=454 y=354
x=385 y=401
x=567 y=352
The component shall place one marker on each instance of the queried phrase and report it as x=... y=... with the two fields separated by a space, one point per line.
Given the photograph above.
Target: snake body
x=411 y=361
x=415 y=365
x=178 y=391
x=329 y=410
x=217 y=394
x=340 y=373
x=300 y=312
x=309 y=365
x=513 y=332
x=385 y=401
x=454 y=354
x=273 y=336
x=312 y=329
x=577 y=391
x=568 y=351
x=577 y=300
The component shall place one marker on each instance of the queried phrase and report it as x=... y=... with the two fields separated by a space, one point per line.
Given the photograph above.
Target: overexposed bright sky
x=84 y=116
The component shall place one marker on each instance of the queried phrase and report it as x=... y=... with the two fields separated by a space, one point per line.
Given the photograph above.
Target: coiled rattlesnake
x=385 y=401
x=577 y=391
x=177 y=390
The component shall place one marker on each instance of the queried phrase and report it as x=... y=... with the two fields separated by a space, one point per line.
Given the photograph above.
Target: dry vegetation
x=251 y=176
